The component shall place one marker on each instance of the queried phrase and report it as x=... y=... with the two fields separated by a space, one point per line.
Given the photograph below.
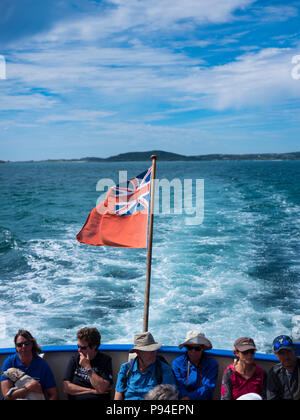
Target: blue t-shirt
x=38 y=370
x=138 y=384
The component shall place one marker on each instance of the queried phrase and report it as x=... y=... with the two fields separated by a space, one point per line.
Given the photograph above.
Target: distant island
x=167 y=156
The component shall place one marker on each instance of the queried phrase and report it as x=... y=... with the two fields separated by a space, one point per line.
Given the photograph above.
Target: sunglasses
x=251 y=351
x=194 y=348
x=82 y=347
x=24 y=343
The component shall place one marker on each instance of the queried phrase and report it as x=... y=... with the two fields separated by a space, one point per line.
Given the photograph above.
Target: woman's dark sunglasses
x=194 y=348
x=25 y=343
x=251 y=351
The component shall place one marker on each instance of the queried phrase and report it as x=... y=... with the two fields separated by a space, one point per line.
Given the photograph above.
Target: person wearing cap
x=243 y=376
x=284 y=377
x=145 y=372
x=196 y=373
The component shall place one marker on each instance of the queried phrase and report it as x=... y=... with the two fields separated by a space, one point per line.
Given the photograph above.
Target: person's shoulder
x=73 y=361
x=259 y=369
x=125 y=366
x=125 y=369
x=40 y=361
x=9 y=362
x=229 y=369
x=74 y=358
x=166 y=369
x=275 y=368
x=210 y=360
x=11 y=358
x=103 y=357
x=179 y=360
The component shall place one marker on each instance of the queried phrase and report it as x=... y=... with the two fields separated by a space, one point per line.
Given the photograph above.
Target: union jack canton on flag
x=133 y=196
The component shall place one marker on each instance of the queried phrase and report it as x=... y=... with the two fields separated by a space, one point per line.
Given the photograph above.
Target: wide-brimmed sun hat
x=196 y=338
x=145 y=342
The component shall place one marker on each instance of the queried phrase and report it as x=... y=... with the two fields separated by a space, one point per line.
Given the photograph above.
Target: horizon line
x=119 y=156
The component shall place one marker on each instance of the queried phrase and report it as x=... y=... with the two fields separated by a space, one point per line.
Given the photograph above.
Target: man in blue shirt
x=143 y=373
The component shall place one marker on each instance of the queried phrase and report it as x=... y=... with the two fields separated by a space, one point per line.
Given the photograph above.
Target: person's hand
x=34 y=386
x=84 y=361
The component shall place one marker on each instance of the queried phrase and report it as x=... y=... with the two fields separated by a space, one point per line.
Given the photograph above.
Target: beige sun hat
x=145 y=342
x=196 y=338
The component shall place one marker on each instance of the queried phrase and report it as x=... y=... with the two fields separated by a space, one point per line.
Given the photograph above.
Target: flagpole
x=149 y=251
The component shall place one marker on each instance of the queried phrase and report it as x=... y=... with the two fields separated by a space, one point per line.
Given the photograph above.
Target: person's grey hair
x=162 y=392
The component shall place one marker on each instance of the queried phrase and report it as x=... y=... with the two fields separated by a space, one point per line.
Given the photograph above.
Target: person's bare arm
x=118 y=396
x=73 y=389
x=34 y=386
x=102 y=386
x=51 y=394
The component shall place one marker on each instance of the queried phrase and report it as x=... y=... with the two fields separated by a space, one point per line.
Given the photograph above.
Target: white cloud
x=258 y=78
x=254 y=79
x=277 y=13
x=28 y=102
x=144 y=17
x=79 y=115
x=129 y=69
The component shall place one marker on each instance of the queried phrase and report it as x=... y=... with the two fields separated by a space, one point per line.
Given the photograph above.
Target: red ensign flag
x=122 y=219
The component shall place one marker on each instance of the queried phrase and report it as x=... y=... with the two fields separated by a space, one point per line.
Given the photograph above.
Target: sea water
x=235 y=274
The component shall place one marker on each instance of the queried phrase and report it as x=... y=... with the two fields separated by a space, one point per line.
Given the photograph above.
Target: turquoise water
x=236 y=274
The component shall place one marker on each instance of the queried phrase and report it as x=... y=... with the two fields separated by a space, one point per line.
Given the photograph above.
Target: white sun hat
x=196 y=338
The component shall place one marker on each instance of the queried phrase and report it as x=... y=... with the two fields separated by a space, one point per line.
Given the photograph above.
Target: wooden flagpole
x=149 y=251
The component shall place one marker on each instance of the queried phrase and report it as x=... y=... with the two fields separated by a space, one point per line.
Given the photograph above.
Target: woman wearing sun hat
x=243 y=376
x=196 y=373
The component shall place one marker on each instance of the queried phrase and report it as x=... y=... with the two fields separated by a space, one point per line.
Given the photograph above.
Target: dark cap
x=282 y=342
x=244 y=344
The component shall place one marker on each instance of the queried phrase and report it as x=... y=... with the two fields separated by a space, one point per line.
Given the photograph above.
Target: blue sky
x=99 y=78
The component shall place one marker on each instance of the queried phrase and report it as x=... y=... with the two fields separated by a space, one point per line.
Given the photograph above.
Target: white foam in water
x=57 y=297
x=2 y=328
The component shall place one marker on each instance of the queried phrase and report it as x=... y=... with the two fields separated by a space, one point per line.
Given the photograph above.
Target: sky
x=104 y=77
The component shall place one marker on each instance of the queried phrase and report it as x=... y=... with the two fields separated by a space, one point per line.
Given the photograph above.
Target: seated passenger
x=27 y=360
x=284 y=377
x=89 y=372
x=243 y=376
x=143 y=373
x=196 y=373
